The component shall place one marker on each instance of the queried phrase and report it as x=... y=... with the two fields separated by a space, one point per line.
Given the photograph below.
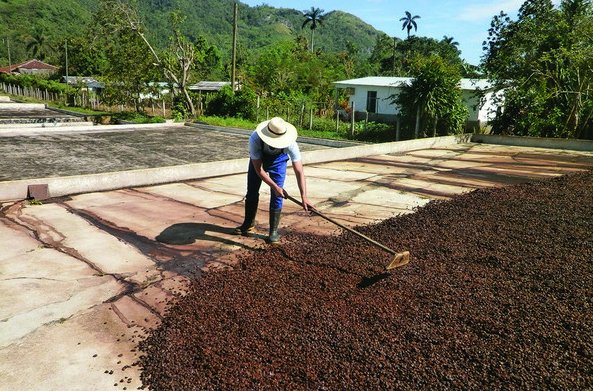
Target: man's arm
x=259 y=169
x=301 y=182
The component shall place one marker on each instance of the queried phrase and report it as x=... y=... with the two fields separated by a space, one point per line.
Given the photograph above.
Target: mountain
x=26 y=21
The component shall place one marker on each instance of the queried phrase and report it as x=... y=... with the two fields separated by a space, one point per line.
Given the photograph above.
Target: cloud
x=481 y=12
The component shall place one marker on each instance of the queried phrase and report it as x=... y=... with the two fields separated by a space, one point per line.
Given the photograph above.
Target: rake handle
x=286 y=195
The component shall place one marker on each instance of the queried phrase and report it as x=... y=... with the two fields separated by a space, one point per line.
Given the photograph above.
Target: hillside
x=25 y=21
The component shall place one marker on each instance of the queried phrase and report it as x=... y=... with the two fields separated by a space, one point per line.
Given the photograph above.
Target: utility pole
x=66 y=48
x=394 y=51
x=7 y=40
x=234 y=64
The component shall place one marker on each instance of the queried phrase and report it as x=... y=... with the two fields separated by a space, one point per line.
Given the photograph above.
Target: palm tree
x=315 y=16
x=38 y=45
x=409 y=22
x=450 y=41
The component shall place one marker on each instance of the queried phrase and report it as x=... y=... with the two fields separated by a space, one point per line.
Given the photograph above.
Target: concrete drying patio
x=15 y=115
x=83 y=276
x=43 y=153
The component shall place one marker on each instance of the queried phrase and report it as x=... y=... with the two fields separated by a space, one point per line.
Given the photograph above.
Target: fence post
x=417 y=128
x=337 y=120
x=311 y=119
x=257 y=109
x=352 y=120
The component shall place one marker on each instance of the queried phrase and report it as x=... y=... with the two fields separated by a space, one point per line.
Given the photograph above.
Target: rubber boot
x=248 y=226
x=274 y=222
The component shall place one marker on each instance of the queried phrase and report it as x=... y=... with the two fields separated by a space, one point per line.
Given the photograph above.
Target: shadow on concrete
x=188 y=233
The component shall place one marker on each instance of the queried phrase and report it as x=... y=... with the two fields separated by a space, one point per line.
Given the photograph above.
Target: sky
x=467 y=21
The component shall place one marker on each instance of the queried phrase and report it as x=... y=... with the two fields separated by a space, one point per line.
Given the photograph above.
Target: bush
x=179 y=109
x=138 y=118
x=325 y=124
x=240 y=104
x=31 y=81
x=374 y=132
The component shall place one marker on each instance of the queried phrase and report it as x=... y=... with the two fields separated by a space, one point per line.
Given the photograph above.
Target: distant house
x=372 y=95
x=31 y=67
x=205 y=88
x=158 y=89
x=87 y=83
x=208 y=86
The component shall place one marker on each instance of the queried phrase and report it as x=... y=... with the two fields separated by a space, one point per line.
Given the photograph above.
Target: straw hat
x=277 y=133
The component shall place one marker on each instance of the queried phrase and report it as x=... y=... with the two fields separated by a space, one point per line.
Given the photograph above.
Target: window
x=372 y=101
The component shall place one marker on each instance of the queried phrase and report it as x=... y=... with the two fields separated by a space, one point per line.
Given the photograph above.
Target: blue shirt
x=256 y=153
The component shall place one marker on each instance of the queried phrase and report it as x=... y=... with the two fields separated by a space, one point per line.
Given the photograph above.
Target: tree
x=314 y=17
x=274 y=70
x=394 y=57
x=229 y=103
x=127 y=69
x=177 y=62
x=384 y=54
x=38 y=45
x=450 y=41
x=543 y=62
x=432 y=102
x=87 y=56
x=409 y=22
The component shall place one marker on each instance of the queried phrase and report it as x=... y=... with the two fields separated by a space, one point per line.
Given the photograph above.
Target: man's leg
x=278 y=175
x=251 y=203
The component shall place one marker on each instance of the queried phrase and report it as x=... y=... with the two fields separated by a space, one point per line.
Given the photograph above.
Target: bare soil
x=498 y=294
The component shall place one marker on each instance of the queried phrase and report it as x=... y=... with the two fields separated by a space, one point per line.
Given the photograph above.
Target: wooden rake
x=399 y=259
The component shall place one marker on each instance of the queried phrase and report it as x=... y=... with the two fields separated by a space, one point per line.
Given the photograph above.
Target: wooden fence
x=86 y=99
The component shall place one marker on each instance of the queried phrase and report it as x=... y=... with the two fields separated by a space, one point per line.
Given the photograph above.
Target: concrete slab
x=58 y=228
x=101 y=149
x=6 y=107
x=192 y=195
x=87 y=274
x=88 y=351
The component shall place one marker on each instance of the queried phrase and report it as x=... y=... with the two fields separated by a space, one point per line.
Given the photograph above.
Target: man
x=270 y=146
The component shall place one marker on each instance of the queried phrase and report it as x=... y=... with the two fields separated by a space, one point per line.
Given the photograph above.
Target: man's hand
x=278 y=191
x=306 y=205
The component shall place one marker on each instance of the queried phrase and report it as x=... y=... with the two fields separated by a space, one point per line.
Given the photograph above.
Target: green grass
x=320 y=127
x=227 y=122
x=79 y=110
x=137 y=118
x=327 y=134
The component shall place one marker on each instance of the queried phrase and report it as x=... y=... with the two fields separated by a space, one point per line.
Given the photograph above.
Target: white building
x=373 y=95
x=85 y=83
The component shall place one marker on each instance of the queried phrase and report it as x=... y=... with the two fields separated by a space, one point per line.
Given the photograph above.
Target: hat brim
x=276 y=141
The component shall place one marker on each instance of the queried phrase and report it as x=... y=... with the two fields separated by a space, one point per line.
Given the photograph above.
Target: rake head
x=399 y=259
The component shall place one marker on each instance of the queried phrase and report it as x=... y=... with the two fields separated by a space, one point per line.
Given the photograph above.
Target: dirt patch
x=498 y=294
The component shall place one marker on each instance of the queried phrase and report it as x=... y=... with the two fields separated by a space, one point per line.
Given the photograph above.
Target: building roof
x=31 y=64
x=209 y=85
x=375 y=81
x=387 y=81
x=88 y=81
